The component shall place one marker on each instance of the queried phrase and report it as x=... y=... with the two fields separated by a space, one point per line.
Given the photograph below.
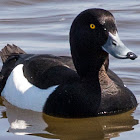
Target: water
x=42 y=26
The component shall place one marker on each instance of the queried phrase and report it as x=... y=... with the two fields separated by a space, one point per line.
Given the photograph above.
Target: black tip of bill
x=131 y=55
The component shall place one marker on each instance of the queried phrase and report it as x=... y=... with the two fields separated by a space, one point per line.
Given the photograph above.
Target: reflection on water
x=23 y=122
x=42 y=26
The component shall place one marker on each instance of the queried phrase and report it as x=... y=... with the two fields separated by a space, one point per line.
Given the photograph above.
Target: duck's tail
x=10 y=50
x=9 y=55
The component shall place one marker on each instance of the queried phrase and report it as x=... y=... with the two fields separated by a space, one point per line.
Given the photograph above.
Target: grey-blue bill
x=116 y=48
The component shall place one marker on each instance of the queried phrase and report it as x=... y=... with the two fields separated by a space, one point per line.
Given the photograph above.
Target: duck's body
x=51 y=84
x=60 y=93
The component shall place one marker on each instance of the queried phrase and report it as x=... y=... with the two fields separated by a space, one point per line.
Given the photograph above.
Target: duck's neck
x=89 y=65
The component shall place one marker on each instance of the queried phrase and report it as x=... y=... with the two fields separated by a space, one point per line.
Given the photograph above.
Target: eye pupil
x=92 y=26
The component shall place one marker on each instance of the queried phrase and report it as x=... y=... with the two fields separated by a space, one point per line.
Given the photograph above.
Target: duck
x=79 y=86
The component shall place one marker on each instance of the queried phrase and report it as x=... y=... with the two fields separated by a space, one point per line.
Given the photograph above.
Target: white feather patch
x=19 y=92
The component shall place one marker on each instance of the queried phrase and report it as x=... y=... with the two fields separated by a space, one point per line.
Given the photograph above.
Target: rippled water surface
x=42 y=26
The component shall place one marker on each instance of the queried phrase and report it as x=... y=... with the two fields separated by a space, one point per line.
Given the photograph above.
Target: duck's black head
x=90 y=29
x=93 y=35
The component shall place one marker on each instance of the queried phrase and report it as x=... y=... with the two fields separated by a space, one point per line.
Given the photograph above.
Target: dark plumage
x=86 y=86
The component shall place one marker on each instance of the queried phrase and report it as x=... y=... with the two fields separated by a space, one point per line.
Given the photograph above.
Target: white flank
x=19 y=92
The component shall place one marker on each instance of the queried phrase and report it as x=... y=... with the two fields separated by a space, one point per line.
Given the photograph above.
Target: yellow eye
x=92 y=26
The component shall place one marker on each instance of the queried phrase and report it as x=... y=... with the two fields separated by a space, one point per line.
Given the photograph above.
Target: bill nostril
x=114 y=43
